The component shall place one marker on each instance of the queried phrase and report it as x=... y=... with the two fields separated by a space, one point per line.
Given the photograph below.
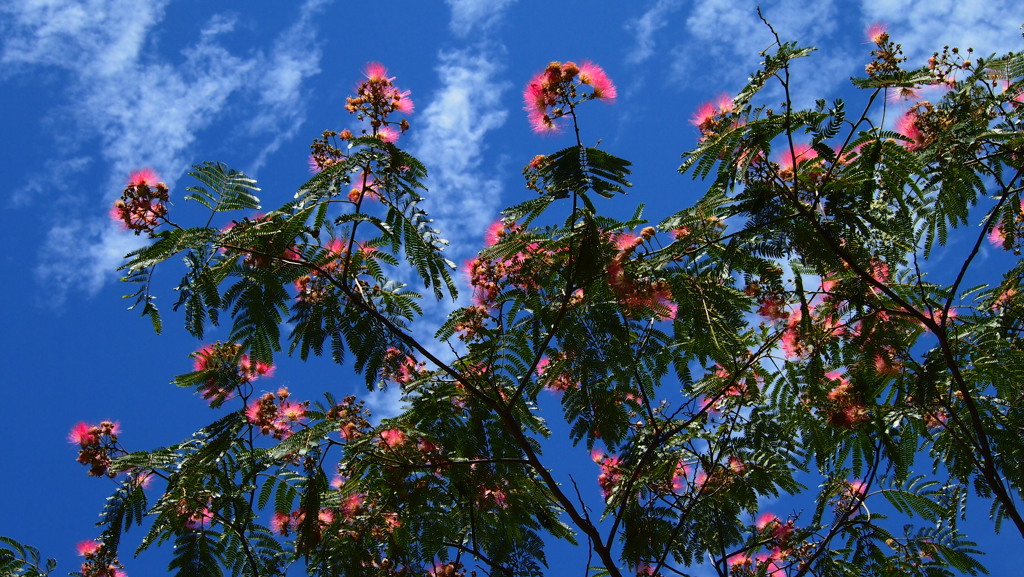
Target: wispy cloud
x=923 y=26
x=725 y=37
x=645 y=27
x=449 y=138
x=145 y=108
x=294 y=58
x=475 y=16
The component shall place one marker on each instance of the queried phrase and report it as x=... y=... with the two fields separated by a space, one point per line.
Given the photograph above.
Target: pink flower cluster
x=997 y=236
x=226 y=368
x=96 y=445
x=376 y=99
x=402 y=368
x=143 y=202
x=611 y=473
x=275 y=415
x=555 y=90
x=712 y=117
x=846 y=410
x=637 y=295
x=489 y=275
x=559 y=382
x=314 y=287
x=352 y=418
x=98 y=561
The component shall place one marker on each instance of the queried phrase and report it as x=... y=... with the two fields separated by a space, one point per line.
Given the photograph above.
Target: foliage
x=779 y=338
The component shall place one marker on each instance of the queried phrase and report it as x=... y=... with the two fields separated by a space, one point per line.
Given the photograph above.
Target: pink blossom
x=1003 y=298
x=351 y=506
x=198 y=520
x=856 y=488
x=875 y=32
x=738 y=559
x=84 y=434
x=765 y=520
x=680 y=476
x=292 y=411
x=86 y=548
x=393 y=438
x=387 y=134
x=907 y=126
x=314 y=166
x=376 y=72
x=790 y=340
x=594 y=76
x=708 y=115
x=146 y=176
x=996 y=236
x=610 y=472
x=281 y=523
x=539 y=94
x=704 y=116
x=802 y=152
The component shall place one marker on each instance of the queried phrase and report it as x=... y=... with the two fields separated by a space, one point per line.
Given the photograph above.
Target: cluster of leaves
x=777 y=336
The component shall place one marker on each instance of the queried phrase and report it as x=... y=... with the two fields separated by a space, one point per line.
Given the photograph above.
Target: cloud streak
x=449 y=139
x=646 y=26
x=923 y=26
x=145 y=108
x=476 y=16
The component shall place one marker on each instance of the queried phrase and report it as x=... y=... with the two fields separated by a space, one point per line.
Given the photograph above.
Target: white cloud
x=475 y=16
x=726 y=38
x=384 y=404
x=645 y=27
x=294 y=59
x=925 y=26
x=54 y=171
x=449 y=138
x=81 y=255
x=145 y=108
x=105 y=36
x=731 y=33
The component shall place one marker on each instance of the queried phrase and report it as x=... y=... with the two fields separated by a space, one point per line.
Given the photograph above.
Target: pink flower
x=495 y=231
x=292 y=411
x=765 y=520
x=802 y=152
x=709 y=113
x=387 y=134
x=550 y=90
x=146 y=176
x=86 y=548
x=314 y=166
x=996 y=236
x=376 y=72
x=680 y=477
x=705 y=115
x=281 y=523
x=393 y=438
x=351 y=506
x=907 y=126
x=84 y=434
x=542 y=365
x=610 y=472
x=593 y=75
x=1003 y=298
x=875 y=32
x=738 y=559
x=856 y=488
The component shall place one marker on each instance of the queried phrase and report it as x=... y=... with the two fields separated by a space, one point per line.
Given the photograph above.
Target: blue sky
x=95 y=88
